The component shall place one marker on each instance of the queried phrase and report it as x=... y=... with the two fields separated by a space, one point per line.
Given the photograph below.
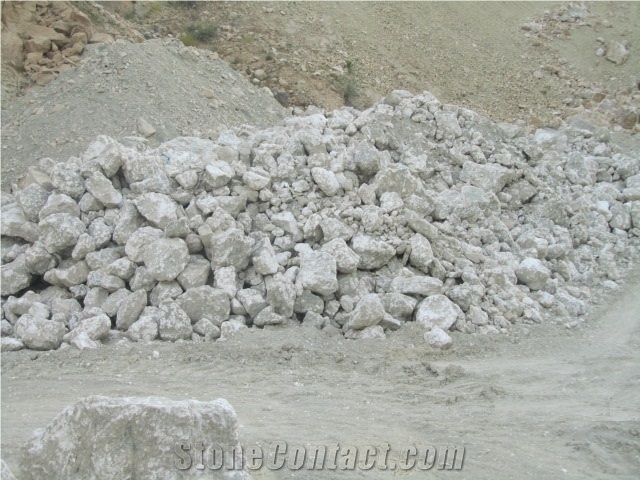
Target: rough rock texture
x=439 y=217
x=39 y=333
x=105 y=438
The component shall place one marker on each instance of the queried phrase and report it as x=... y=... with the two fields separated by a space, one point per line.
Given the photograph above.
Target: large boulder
x=100 y=438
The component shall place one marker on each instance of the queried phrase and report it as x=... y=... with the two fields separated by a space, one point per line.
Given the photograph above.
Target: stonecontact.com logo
x=279 y=455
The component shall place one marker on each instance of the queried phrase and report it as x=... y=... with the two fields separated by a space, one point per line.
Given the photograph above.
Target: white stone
x=438 y=338
x=102 y=437
x=437 y=311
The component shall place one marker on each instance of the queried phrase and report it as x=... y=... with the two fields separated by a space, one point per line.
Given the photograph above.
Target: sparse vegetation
x=350 y=67
x=349 y=88
x=154 y=7
x=202 y=32
x=348 y=83
x=183 y=3
x=189 y=40
x=89 y=11
x=130 y=14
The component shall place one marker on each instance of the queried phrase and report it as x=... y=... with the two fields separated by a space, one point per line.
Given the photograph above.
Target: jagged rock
x=318 y=272
x=159 y=209
x=82 y=341
x=129 y=221
x=373 y=253
x=6 y=329
x=31 y=200
x=139 y=240
x=533 y=273
x=15 y=276
x=68 y=277
x=417 y=285
x=287 y=221
x=367 y=333
x=230 y=248
x=122 y=267
x=256 y=179
x=130 y=309
x=308 y=302
x=347 y=260
x=399 y=306
x=174 y=324
x=165 y=291
x=195 y=274
x=205 y=328
x=95 y=328
x=102 y=279
x=281 y=295
x=367 y=158
x=489 y=176
x=395 y=178
x=252 y=301
x=368 y=312
x=333 y=228
x=218 y=174
x=85 y=245
x=205 y=301
x=15 y=224
x=225 y=280
x=166 y=258
x=268 y=316
x=37 y=260
x=67 y=178
x=326 y=181
x=9 y=344
x=617 y=52
x=103 y=258
x=421 y=253
x=39 y=333
x=145 y=329
x=231 y=328
x=264 y=258
x=102 y=189
x=59 y=231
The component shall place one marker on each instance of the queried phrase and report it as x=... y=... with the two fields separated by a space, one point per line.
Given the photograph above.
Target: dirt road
x=543 y=402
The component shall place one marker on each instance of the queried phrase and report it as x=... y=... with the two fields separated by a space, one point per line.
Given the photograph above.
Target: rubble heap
x=351 y=222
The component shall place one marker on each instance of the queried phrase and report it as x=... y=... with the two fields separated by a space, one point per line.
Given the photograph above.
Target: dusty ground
x=543 y=402
x=474 y=54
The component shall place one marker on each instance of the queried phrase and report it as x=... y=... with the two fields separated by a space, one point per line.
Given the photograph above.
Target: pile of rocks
x=50 y=45
x=351 y=222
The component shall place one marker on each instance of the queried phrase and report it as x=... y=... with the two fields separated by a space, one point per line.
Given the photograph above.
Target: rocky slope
x=153 y=91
